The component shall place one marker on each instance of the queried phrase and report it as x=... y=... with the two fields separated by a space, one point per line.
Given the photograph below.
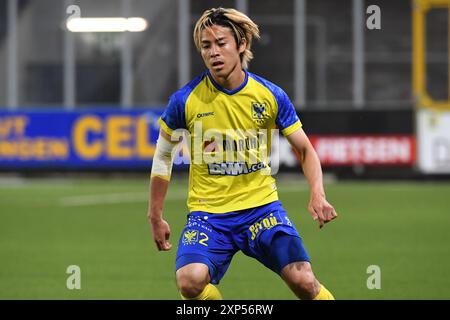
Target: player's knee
x=300 y=278
x=190 y=289
x=307 y=286
x=191 y=281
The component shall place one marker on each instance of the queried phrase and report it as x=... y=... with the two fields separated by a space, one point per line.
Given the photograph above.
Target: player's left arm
x=319 y=207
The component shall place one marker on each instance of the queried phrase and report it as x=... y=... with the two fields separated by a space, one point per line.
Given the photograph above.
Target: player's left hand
x=321 y=210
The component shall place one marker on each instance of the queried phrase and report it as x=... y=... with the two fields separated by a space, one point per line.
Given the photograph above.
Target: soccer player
x=233 y=201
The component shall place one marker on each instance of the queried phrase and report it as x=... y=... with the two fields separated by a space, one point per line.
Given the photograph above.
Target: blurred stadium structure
x=353 y=87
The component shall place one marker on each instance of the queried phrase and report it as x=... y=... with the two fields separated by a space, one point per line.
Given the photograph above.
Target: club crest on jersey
x=190 y=237
x=259 y=112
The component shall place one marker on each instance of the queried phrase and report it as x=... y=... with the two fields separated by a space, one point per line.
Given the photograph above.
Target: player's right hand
x=161 y=234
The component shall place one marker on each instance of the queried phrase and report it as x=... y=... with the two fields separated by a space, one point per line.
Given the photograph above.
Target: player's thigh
x=201 y=243
x=280 y=247
x=273 y=239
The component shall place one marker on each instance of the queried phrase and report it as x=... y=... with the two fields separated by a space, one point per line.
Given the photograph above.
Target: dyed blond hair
x=240 y=24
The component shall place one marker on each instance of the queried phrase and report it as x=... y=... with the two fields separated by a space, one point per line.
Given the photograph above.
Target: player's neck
x=232 y=81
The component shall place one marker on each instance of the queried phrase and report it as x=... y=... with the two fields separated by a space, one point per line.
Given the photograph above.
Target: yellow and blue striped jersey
x=230 y=136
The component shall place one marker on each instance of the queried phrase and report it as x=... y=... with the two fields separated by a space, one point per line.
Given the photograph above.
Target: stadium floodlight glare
x=134 y=24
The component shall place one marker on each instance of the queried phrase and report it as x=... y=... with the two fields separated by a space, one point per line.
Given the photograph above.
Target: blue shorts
x=264 y=233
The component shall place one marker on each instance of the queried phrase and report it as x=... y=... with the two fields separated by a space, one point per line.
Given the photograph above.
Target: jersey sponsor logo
x=210 y=146
x=205 y=114
x=259 y=112
x=230 y=144
x=248 y=143
x=234 y=168
x=265 y=223
x=190 y=237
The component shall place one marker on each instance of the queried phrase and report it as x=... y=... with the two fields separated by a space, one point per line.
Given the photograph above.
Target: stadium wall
x=350 y=143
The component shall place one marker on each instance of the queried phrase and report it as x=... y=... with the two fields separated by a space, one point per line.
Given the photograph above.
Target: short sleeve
x=173 y=116
x=287 y=119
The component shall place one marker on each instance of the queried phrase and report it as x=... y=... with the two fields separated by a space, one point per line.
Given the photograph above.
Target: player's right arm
x=159 y=183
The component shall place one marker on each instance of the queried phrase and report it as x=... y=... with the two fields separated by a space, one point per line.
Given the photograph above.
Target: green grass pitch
x=100 y=226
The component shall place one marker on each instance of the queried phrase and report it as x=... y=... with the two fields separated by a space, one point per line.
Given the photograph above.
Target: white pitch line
x=133 y=197
x=112 y=198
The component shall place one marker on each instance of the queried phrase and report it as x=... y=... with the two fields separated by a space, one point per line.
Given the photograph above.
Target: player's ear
x=242 y=45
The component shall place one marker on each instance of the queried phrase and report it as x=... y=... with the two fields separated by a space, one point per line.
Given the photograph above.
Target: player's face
x=220 y=51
